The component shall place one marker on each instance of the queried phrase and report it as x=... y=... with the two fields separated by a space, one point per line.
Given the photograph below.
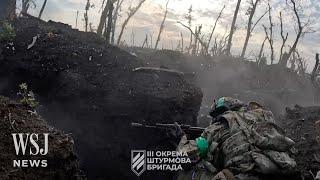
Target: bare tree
x=194 y=46
x=7 y=9
x=261 y=49
x=115 y=18
x=292 y=61
x=219 y=46
x=91 y=27
x=250 y=27
x=42 y=8
x=283 y=37
x=162 y=25
x=196 y=36
x=214 y=47
x=189 y=18
x=200 y=45
x=77 y=19
x=109 y=24
x=131 y=12
x=182 y=45
x=25 y=5
x=269 y=33
x=270 y=40
x=300 y=28
x=86 y=18
x=300 y=32
x=214 y=27
x=151 y=39
x=103 y=17
x=133 y=38
x=145 y=42
x=171 y=44
x=102 y=4
x=232 y=29
x=302 y=64
x=316 y=68
x=178 y=48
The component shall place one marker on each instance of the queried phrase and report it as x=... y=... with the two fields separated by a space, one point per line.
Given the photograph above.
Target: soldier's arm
x=203 y=147
x=189 y=147
x=213 y=134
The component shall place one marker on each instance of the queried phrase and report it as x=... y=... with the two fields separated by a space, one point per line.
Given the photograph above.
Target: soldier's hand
x=176 y=133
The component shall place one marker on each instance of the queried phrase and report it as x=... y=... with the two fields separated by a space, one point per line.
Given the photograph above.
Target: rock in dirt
x=61 y=159
x=318 y=176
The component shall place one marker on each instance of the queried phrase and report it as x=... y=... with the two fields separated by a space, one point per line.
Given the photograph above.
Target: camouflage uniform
x=243 y=144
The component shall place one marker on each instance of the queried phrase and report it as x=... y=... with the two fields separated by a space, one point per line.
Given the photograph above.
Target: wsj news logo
x=138 y=161
x=23 y=140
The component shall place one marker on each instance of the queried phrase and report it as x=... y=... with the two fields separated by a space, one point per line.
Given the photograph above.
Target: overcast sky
x=149 y=17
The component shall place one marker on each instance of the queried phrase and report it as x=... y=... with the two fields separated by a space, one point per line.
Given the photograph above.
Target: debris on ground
x=318 y=176
x=61 y=158
x=299 y=124
x=34 y=40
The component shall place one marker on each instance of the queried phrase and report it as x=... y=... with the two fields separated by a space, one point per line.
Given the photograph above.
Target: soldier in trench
x=242 y=142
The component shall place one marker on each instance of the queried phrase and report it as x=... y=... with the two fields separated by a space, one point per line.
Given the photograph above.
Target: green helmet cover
x=202 y=145
x=220 y=102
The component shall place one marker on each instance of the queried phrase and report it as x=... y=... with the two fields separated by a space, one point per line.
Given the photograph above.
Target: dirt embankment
x=93 y=91
x=61 y=159
x=299 y=123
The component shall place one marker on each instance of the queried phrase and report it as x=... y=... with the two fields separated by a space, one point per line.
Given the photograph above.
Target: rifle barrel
x=164 y=126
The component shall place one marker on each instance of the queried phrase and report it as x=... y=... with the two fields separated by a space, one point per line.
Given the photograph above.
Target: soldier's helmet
x=224 y=104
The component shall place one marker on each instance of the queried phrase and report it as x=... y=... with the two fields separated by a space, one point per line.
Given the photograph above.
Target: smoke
x=270 y=86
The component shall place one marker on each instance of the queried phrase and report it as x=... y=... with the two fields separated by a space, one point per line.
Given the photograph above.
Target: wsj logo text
x=26 y=144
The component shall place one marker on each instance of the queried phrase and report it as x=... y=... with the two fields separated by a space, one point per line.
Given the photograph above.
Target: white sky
x=149 y=17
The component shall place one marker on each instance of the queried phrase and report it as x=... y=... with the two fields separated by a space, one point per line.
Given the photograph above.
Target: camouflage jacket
x=247 y=140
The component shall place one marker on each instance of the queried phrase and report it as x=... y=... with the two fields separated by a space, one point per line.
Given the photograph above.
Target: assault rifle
x=191 y=131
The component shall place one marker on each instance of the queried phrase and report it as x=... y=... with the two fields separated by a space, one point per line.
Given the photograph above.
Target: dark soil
x=299 y=123
x=91 y=90
x=62 y=161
